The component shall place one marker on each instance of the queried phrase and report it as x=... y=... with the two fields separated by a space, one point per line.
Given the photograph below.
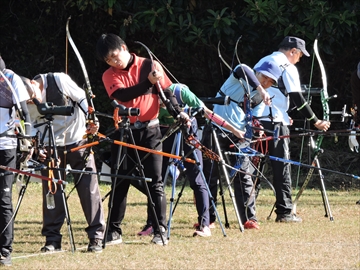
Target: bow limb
x=221 y=58
x=324 y=92
x=158 y=85
x=88 y=91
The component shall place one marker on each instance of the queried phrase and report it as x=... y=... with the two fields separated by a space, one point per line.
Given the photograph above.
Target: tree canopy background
x=184 y=36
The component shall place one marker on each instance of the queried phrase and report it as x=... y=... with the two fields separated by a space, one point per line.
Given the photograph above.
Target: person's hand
x=154 y=76
x=42 y=154
x=184 y=118
x=92 y=128
x=265 y=97
x=238 y=133
x=291 y=121
x=322 y=125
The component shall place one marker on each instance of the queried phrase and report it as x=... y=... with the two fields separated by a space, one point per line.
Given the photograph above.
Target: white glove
x=353 y=143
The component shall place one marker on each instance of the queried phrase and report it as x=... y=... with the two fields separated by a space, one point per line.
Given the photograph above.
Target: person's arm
x=292 y=84
x=209 y=114
x=27 y=119
x=245 y=72
x=129 y=93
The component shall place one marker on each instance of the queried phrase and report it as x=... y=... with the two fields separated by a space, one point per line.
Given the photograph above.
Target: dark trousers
x=88 y=191
x=193 y=174
x=243 y=185
x=7 y=158
x=281 y=170
x=149 y=138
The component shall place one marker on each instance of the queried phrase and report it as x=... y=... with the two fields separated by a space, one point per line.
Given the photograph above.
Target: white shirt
x=67 y=129
x=280 y=102
x=6 y=120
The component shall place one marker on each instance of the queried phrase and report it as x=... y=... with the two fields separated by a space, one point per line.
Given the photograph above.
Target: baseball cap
x=269 y=69
x=294 y=42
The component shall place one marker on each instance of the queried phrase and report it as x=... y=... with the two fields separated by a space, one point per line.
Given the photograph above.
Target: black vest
x=53 y=93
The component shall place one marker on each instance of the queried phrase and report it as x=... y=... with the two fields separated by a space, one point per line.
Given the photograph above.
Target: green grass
x=316 y=243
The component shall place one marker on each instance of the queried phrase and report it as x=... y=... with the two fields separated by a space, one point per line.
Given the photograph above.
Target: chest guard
x=6 y=95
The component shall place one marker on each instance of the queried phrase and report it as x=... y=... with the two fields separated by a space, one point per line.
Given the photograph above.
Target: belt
x=147 y=124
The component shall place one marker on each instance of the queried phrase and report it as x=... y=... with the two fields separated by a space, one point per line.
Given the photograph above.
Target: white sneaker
x=205 y=232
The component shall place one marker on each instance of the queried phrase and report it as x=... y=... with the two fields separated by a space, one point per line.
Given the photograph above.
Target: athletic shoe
x=51 y=246
x=147 y=230
x=251 y=224
x=159 y=237
x=113 y=238
x=205 y=232
x=95 y=245
x=288 y=219
x=211 y=225
x=5 y=260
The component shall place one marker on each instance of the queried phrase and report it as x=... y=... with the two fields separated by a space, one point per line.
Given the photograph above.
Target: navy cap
x=294 y=42
x=269 y=69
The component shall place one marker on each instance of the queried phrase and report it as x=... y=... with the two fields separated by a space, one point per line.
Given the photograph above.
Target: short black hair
x=108 y=43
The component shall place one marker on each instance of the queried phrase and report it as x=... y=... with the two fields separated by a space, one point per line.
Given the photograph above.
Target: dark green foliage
x=183 y=35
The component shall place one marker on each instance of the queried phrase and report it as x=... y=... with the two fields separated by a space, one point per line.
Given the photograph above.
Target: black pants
x=281 y=170
x=149 y=138
x=89 y=194
x=7 y=158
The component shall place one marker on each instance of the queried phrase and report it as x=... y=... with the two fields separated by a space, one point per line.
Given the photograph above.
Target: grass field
x=316 y=243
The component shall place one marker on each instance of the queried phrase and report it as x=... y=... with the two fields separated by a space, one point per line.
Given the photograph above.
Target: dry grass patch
x=317 y=243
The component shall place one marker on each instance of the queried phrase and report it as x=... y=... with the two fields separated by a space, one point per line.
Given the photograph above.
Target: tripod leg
x=222 y=195
x=173 y=189
x=175 y=149
x=324 y=194
x=226 y=176
x=315 y=162
x=112 y=192
x=63 y=196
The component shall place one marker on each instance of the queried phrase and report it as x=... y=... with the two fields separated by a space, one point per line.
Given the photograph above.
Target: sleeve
x=243 y=71
x=171 y=103
x=291 y=79
x=20 y=89
x=27 y=119
x=72 y=90
x=189 y=98
x=129 y=93
x=302 y=106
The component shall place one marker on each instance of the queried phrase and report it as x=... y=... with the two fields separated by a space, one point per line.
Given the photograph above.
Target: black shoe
x=95 y=245
x=113 y=238
x=5 y=260
x=288 y=219
x=51 y=246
